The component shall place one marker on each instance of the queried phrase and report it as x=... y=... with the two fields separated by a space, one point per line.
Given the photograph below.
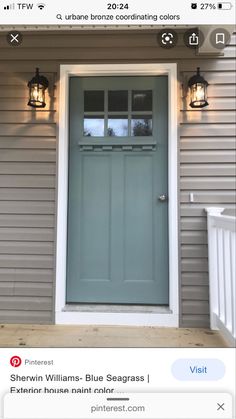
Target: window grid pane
x=117 y=100
x=135 y=120
x=142 y=100
x=93 y=100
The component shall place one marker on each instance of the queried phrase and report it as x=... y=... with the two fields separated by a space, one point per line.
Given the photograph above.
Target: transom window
x=118 y=113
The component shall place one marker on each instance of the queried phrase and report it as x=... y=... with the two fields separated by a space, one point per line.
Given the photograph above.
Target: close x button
x=14 y=38
x=220 y=406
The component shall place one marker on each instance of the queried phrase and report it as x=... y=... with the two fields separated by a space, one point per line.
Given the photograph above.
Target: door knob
x=162 y=197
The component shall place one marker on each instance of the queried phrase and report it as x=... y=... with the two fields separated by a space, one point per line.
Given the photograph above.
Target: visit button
x=198 y=369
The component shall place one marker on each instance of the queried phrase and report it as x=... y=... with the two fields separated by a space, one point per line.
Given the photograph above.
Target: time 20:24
x=115 y=6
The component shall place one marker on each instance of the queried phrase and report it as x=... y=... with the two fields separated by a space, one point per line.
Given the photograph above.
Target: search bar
x=118 y=406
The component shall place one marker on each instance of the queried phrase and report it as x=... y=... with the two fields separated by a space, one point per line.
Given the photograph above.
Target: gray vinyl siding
x=27 y=203
x=28 y=163
x=207 y=169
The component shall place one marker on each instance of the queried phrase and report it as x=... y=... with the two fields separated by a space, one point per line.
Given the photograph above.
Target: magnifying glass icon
x=59 y=17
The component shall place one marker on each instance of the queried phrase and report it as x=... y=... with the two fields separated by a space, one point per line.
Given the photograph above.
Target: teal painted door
x=117 y=251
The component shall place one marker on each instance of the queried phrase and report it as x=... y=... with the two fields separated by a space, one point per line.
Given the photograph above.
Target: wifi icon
x=41 y=6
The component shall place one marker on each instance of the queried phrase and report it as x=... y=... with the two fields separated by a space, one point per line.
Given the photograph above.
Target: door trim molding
x=62 y=316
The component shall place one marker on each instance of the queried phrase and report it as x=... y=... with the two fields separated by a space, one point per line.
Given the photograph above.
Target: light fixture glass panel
x=141 y=126
x=117 y=100
x=198 y=94
x=142 y=100
x=93 y=100
x=37 y=95
x=117 y=126
x=93 y=126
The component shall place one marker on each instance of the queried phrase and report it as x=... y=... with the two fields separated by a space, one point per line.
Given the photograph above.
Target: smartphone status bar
x=127 y=12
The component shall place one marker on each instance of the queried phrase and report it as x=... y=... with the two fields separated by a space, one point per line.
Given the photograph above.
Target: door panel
x=117 y=249
x=95 y=216
x=138 y=218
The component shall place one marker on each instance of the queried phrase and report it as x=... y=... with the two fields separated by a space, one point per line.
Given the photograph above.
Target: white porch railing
x=222 y=272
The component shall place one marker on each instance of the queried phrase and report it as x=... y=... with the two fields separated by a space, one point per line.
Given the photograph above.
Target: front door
x=117 y=251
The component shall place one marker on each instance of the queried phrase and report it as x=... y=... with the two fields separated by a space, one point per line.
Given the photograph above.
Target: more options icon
x=167 y=38
x=193 y=38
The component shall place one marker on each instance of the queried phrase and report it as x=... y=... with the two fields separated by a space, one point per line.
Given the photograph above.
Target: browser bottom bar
x=119 y=406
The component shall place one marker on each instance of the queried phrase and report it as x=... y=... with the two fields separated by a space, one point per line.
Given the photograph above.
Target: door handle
x=163 y=197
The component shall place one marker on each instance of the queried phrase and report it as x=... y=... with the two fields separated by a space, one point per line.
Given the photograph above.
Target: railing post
x=212 y=263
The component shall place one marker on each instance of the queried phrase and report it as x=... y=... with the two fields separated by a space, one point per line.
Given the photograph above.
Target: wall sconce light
x=198 y=90
x=37 y=87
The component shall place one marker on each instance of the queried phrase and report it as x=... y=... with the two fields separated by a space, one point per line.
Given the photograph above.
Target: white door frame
x=170 y=318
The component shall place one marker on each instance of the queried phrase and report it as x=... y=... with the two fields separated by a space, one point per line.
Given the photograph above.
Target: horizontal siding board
x=27 y=181
x=6 y=288
x=49 y=65
x=200 y=170
x=211 y=130
x=14 y=117
x=229 y=51
x=26 y=289
x=21 y=92
x=64 y=54
x=16 y=194
x=220 y=104
x=195 y=278
x=27 y=142
x=206 y=64
x=25 y=303
x=27 y=234
x=26 y=261
x=189 y=116
x=27 y=155
x=21 y=79
x=27 y=317
x=22 y=220
x=208 y=143
x=221 y=90
x=21 y=104
x=195 y=292
x=192 y=210
x=213 y=156
x=27 y=168
x=28 y=130
x=195 y=307
x=26 y=66
x=27 y=248
x=193 y=223
x=214 y=77
x=193 y=237
x=193 y=183
x=210 y=197
x=26 y=207
x=194 y=251
x=196 y=320
x=26 y=275
x=194 y=265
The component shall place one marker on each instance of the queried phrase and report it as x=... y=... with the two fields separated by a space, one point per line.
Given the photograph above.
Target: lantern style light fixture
x=198 y=91
x=37 y=87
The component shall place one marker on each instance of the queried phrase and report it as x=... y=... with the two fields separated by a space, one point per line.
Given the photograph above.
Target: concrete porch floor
x=106 y=336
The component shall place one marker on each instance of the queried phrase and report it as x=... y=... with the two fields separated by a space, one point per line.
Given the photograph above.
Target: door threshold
x=116 y=308
x=117 y=315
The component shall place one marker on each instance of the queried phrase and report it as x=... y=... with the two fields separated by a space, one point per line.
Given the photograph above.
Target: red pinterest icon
x=15 y=361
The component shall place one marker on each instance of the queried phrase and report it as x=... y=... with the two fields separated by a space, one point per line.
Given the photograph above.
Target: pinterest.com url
x=120 y=408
